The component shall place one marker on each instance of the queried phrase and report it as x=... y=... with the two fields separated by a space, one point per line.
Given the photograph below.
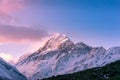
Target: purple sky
x=25 y=23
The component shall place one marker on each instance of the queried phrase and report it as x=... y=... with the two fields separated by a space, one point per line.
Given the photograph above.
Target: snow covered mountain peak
x=114 y=50
x=56 y=41
x=81 y=44
x=60 y=55
x=58 y=35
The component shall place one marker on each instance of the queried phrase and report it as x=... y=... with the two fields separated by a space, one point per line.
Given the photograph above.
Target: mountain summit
x=57 y=41
x=61 y=56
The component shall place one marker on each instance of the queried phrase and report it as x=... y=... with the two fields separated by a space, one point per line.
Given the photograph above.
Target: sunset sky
x=24 y=24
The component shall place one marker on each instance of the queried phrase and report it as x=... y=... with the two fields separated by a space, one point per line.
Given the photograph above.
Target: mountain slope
x=8 y=72
x=61 y=56
x=108 y=72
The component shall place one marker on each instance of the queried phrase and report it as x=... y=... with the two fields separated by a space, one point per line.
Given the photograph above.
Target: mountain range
x=60 y=56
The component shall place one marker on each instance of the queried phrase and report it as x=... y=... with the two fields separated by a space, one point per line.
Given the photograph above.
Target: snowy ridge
x=8 y=72
x=60 y=55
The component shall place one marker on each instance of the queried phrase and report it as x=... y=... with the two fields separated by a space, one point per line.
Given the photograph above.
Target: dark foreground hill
x=108 y=72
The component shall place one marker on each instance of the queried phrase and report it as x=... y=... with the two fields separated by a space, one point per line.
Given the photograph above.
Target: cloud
x=10 y=33
x=7 y=57
x=9 y=6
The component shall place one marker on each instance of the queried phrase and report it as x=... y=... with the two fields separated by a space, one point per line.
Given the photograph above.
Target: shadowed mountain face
x=8 y=72
x=61 y=56
x=108 y=72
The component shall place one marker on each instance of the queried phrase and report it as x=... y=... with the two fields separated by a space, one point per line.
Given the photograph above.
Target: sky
x=26 y=24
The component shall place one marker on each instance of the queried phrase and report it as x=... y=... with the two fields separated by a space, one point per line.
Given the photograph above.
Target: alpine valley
x=61 y=56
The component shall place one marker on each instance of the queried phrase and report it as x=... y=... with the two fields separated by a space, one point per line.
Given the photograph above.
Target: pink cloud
x=9 y=6
x=20 y=34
